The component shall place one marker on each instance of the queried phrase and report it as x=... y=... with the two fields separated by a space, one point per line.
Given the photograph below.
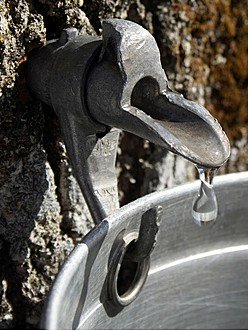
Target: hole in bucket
x=126 y=277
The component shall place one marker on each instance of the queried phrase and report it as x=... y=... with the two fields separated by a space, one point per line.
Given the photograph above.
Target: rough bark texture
x=42 y=211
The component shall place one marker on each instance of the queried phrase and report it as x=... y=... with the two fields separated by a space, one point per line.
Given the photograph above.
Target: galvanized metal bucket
x=198 y=276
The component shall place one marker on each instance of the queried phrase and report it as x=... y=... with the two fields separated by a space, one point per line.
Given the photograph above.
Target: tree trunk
x=43 y=213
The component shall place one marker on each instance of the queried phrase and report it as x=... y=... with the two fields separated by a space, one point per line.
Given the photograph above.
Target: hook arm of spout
x=57 y=75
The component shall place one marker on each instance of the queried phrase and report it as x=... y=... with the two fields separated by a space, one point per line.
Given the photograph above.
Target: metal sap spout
x=128 y=89
x=100 y=85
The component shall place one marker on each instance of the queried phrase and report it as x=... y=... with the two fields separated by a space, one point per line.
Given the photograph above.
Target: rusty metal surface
x=198 y=276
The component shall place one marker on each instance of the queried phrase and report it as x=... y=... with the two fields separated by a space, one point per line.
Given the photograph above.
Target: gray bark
x=42 y=210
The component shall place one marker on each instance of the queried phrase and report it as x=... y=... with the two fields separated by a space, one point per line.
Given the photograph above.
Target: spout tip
x=182 y=126
x=196 y=141
x=218 y=153
x=210 y=146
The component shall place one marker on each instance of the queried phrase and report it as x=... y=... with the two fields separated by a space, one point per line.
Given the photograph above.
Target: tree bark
x=42 y=210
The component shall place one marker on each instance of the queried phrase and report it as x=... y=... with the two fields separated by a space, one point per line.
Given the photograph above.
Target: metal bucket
x=198 y=276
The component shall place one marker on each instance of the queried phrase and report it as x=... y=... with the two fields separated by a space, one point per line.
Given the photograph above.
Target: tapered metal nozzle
x=128 y=89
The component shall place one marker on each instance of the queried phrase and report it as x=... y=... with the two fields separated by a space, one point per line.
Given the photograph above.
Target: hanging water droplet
x=205 y=206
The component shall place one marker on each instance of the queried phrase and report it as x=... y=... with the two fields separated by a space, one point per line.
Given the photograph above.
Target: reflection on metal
x=218 y=252
x=198 y=277
x=97 y=87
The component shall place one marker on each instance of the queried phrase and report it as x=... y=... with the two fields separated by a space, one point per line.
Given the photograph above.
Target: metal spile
x=100 y=85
